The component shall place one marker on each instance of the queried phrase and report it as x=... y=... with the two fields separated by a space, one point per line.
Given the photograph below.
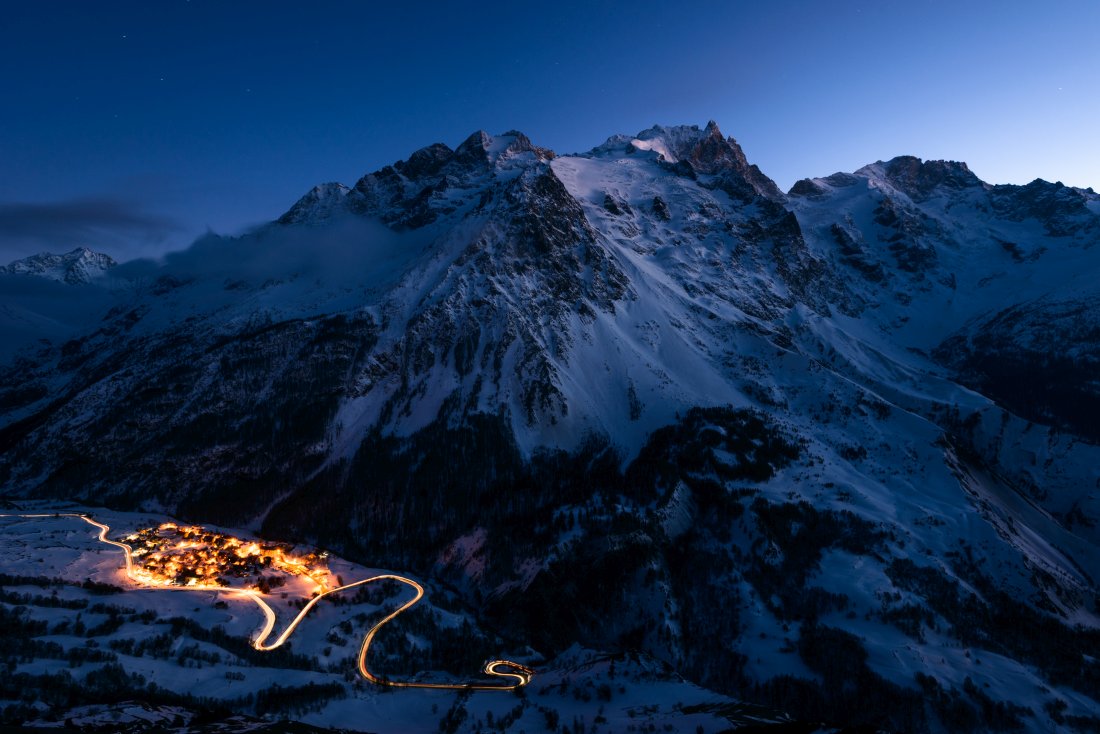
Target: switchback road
x=520 y=675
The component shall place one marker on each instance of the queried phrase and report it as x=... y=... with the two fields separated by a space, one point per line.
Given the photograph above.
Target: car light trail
x=520 y=675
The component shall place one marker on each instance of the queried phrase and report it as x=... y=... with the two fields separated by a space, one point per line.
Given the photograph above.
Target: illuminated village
x=190 y=555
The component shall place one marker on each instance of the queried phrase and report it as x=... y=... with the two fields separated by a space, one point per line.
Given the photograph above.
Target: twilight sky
x=132 y=127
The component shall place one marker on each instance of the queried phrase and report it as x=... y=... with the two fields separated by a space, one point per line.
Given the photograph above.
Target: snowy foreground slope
x=95 y=651
x=832 y=451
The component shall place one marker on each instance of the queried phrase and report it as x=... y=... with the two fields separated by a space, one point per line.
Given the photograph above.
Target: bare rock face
x=693 y=152
x=920 y=178
x=426 y=161
x=1063 y=211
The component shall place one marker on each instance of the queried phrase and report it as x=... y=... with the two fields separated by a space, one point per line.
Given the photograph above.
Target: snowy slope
x=52 y=566
x=856 y=417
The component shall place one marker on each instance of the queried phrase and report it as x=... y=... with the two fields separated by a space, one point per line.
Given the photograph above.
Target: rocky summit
x=832 y=451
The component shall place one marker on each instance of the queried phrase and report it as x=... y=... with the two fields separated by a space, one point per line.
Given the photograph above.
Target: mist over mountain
x=832 y=450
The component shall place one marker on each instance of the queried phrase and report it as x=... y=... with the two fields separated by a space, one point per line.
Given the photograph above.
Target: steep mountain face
x=831 y=450
x=1038 y=358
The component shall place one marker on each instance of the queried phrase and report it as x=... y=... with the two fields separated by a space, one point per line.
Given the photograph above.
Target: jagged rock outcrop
x=919 y=179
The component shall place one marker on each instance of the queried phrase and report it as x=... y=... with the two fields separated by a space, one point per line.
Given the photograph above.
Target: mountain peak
x=673 y=143
x=918 y=178
x=319 y=204
x=426 y=161
x=80 y=265
x=481 y=147
x=474 y=147
x=707 y=151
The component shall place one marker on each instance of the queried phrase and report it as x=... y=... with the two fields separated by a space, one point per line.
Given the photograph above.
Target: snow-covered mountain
x=49 y=298
x=831 y=450
x=78 y=266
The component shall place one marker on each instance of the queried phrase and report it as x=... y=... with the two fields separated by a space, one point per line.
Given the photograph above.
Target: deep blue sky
x=133 y=126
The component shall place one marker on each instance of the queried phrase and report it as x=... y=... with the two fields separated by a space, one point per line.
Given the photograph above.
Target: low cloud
x=347 y=252
x=115 y=226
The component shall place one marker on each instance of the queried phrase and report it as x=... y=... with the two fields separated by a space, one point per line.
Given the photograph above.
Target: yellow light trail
x=520 y=673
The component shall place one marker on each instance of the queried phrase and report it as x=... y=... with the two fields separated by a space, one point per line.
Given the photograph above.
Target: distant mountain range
x=833 y=450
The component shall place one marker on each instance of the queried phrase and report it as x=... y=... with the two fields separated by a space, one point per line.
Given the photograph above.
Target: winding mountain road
x=520 y=674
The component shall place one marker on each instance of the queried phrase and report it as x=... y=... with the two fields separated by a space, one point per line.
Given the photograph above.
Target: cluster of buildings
x=190 y=555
